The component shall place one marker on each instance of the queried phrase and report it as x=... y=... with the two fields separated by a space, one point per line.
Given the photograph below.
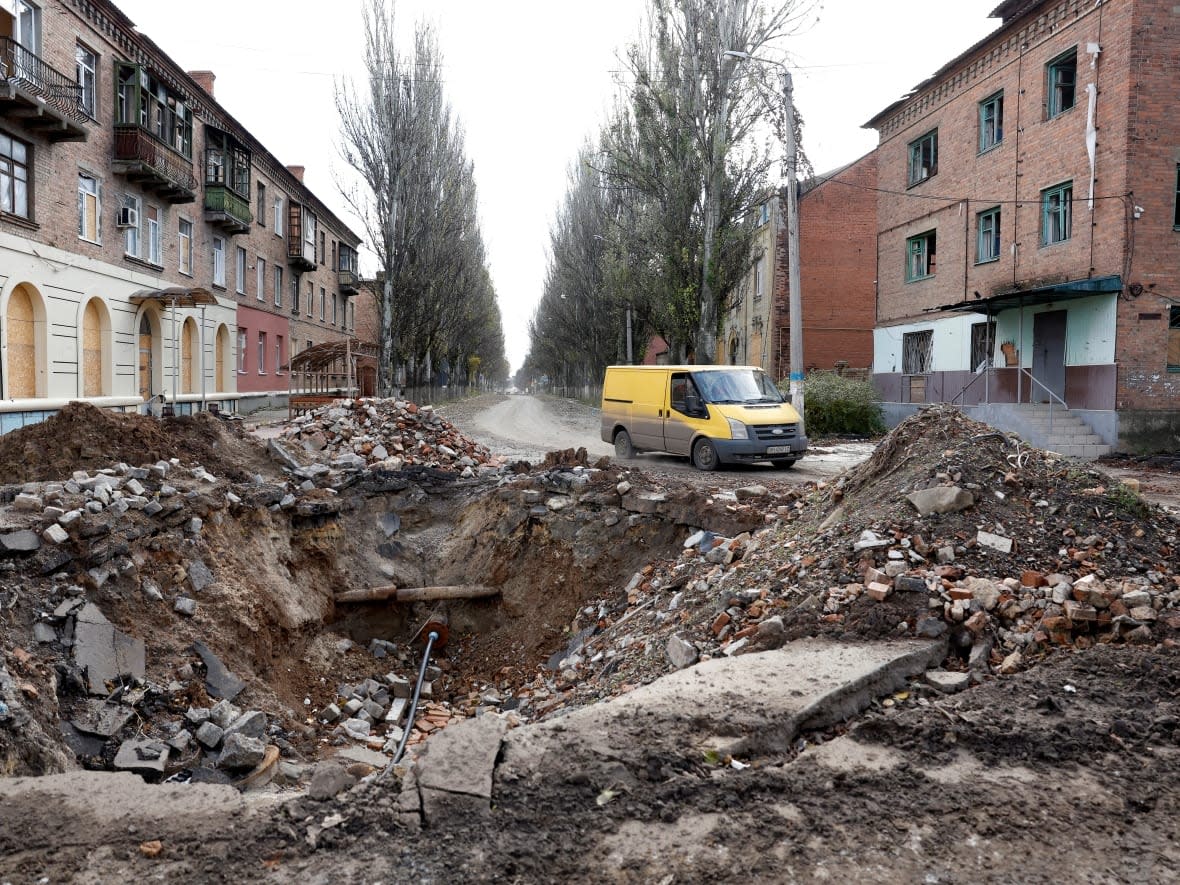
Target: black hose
x=401 y=747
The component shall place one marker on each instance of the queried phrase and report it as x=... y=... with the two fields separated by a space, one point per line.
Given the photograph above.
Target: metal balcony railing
x=173 y=173
x=221 y=200
x=29 y=72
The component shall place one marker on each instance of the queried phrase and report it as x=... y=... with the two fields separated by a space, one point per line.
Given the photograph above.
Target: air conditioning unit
x=128 y=217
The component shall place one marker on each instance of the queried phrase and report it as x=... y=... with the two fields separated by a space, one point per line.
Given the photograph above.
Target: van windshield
x=737 y=386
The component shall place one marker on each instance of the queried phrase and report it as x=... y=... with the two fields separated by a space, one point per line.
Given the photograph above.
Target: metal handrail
x=32 y=73
x=969 y=384
x=1052 y=395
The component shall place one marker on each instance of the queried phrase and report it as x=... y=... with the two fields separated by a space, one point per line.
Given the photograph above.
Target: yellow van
x=714 y=414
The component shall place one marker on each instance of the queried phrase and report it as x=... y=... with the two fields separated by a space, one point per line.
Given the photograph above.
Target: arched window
x=94 y=363
x=25 y=319
x=222 y=360
x=190 y=366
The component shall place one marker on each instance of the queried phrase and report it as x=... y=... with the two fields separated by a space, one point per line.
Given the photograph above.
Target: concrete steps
x=1069 y=435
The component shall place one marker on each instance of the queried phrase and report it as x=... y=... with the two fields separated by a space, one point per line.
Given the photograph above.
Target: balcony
x=348 y=281
x=226 y=209
x=43 y=99
x=143 y=158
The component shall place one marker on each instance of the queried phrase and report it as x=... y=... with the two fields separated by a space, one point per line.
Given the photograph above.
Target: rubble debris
x=385 y=434
x=104 y=654
x=219 y=681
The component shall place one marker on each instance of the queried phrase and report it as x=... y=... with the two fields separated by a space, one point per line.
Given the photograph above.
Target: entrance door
x=145 y=358
x=1049 y=354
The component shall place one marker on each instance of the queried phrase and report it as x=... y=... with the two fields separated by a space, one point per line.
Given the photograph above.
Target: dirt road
x=526 y=427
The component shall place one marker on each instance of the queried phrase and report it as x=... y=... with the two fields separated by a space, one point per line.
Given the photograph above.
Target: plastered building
x=150 y=246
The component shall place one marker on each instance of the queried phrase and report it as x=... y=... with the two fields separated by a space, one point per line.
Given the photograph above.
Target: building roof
x=115 y=23
x=1006 y=12
x=1037 y=295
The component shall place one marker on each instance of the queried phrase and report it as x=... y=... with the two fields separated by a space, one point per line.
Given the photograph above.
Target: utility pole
x=794 y=283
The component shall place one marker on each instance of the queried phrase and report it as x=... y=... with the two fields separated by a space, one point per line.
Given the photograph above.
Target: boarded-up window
x=220 y=358
x=983 y=344
x=1174 y=339
x=22 y=348
x=188 y=346
x=915 y=353
x=92 y=351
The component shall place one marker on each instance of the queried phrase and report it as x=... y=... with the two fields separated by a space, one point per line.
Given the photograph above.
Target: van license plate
x=778 y=450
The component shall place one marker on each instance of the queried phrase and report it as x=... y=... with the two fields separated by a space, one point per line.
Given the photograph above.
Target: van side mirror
x=692 y=405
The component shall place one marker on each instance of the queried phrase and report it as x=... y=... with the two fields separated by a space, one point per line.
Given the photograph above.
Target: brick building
x=148 y=243
x=1028 y=243
x=837 y=241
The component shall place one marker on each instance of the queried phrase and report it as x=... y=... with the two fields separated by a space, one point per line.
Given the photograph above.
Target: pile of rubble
x=385 y=434
x=950 y=530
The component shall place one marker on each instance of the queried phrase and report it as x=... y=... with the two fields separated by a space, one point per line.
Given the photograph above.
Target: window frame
x=218 y=265
x=155 y=242
x=995 y=215
x=989 y=140
x=242 y=339
x=86 y=75
x=184 y=246
x=260 y=276
x=278 y=281
x=983 y=346
x=915 y=151
x=1054 y=106
x=261 y=212
x=14 y=172
x=133 y=236
x=278 y=209
x=261 y=352
x=1064 y=211
x=907 y=354
x=278 y=354
x=929 y=255
x=1173 y=336
x=240 y=270
x=93 y=196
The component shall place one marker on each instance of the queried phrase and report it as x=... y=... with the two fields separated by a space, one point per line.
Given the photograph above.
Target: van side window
x=682 y=386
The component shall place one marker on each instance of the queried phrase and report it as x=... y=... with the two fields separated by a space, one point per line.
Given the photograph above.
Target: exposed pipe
x=401 y=747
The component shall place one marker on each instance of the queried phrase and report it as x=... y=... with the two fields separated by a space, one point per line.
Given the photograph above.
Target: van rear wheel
x=704 y=454
x=624 y=448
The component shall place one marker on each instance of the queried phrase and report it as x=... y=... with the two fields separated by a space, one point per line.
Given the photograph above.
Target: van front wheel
x=704 y=454
x=624 y=448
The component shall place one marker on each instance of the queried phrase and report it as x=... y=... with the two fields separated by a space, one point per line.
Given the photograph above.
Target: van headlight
x=737 y=430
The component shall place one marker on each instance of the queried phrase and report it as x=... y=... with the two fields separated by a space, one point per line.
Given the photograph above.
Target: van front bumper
x=733 y=450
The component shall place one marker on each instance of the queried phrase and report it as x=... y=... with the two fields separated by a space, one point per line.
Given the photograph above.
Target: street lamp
x=795 y=302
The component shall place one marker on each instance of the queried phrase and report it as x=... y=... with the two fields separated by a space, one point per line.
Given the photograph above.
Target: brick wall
x=56 y=166
x=837 y=245
x=1035 y=153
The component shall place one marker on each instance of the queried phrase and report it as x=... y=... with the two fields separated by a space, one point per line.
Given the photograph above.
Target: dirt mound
x=85 y=437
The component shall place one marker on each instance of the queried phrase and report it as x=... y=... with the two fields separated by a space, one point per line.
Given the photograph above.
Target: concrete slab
x=102 y=719
x=103 y=652
x=462 y=757
x=147 y=756
x=220 y=681
x=745 y=706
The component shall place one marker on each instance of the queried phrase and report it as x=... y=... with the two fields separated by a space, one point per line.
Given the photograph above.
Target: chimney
x=297 y=171
x=204 y=79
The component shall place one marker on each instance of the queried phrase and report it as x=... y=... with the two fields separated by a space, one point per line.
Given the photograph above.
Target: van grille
x=774 y=431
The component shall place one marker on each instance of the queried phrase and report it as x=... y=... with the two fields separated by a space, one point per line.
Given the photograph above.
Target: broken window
x=916 y=348
x=1062 y=78
x=1174 y=338
x=983 y=344
x=987 y=245
x=1056 y=213
x=991 y=122
x=1176 y=211
x=920 y=256
x=923 y=157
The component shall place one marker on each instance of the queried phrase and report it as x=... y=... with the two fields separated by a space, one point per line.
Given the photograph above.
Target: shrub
x=836 y=405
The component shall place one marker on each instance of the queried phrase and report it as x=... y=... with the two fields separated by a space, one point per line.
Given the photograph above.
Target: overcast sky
x=530 y=81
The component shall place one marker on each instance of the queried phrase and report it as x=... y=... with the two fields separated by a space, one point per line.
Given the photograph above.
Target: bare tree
x=417 y=203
